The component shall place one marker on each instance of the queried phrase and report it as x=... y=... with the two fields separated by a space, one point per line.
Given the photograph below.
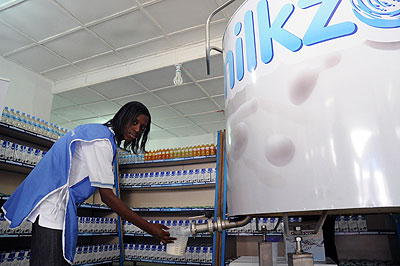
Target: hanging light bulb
x=178 y=75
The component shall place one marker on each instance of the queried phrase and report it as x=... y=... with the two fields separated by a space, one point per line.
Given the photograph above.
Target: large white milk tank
x=312 y=105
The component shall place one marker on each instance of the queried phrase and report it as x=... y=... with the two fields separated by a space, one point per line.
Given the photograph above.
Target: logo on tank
x=374 y=13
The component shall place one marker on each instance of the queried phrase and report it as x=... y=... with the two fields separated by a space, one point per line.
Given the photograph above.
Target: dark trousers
x=46 y=247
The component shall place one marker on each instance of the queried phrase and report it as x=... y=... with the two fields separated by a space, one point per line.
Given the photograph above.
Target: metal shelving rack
x=175 y=187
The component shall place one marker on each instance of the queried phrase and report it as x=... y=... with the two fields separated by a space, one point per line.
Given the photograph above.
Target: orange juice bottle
x=146 y=156
x=190 y=151
x=162 y=154
x=202 y=150
x=186 y=152
x=212 y=149
x=167 y=154
x=196 y=151
x=207 y=150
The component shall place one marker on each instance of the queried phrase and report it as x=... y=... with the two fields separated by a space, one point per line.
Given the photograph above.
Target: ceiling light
x=178 y=75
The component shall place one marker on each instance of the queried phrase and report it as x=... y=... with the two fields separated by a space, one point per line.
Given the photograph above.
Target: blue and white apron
x=50 y=175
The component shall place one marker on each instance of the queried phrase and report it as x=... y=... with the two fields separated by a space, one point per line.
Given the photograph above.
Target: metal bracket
x=208 y=48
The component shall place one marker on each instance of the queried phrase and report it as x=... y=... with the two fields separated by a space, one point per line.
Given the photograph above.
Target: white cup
x=179 y=246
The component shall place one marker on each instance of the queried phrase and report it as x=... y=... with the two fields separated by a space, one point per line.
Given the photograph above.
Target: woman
x=76 y=166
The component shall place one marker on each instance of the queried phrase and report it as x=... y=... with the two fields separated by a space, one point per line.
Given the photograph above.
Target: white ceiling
x=64 y=40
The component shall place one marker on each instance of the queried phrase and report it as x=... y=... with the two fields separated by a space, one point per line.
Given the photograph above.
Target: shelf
x=365 y=233
x=194 y=209
x=4 y=197
x=94 y=207
x=168 y=262
x=253 y=234
x=15 y=235
x=96 y=263
x=16 y=166
x=80 y=234
x=148 y=235
x=336 y=233
x=171 y=186
x=98 y=234
x=24 y=135
x=171 y=162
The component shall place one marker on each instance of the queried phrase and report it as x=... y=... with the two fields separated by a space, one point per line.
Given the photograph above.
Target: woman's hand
x=157 y=230
x=160 y=232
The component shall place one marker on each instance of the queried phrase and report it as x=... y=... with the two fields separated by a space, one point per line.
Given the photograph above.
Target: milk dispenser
x=312 y=102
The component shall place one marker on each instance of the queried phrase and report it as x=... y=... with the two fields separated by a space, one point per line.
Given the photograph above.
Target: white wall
x=181 y=142
x=27 y=91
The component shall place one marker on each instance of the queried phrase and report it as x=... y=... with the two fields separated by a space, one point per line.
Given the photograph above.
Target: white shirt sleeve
x=98 y=156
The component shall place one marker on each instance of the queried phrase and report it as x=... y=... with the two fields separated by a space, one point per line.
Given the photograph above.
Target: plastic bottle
x=13 y=118
x=19 y=153
x=184 y=176
x=213 y=149
x=34 y=124
x=46 y=129
x=61 y=131
x=28 y=122
x=52 y=131
x=42 y=127
x=207 y=150
x=180 y=152
x=190 y=151
x=196 y=176
x=29 y=156
x=36 y=156
x=10 y=153
x=57 y=131
x=2 y=148
x=202 y=150
x=362 y=223
x=38 y=126
x=196 y=151
x=5 y=116
x=185 y=152
x=18 y=119
x=167 y=154
x=24 y=121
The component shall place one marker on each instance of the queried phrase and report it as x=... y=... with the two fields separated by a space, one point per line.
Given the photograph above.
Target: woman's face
x=135 y=129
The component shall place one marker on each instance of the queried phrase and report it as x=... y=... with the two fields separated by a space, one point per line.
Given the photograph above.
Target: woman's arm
x=156 y=230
